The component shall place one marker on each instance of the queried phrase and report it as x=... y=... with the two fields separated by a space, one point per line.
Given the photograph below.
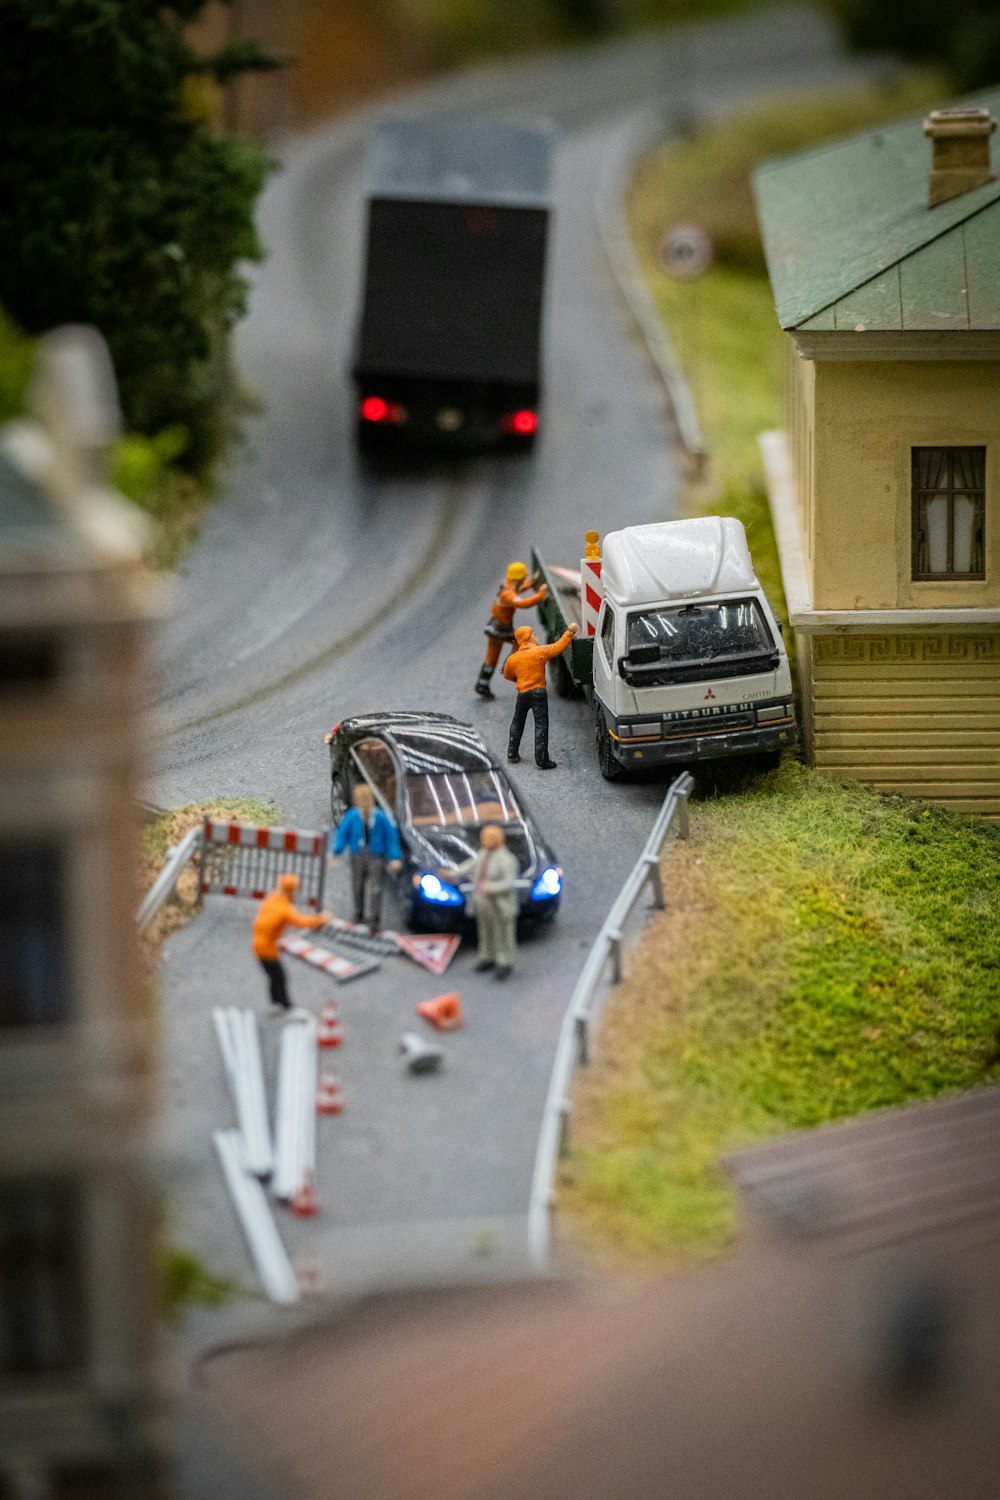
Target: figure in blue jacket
x=371 y=838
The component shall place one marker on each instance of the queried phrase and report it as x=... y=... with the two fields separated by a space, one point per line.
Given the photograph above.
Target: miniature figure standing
x=371 y=838
x=501 y=625
x=526 y=667
x=276 y=913
x=493 y=902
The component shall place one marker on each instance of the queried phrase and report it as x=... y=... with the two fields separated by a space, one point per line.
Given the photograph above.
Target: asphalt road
x=318 y=590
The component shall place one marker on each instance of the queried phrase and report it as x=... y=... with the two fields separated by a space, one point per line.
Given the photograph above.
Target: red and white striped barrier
x=591 y=593
x=245 y=859
x=335 y=964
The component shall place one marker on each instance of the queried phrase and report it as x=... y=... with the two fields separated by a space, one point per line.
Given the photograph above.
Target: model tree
x=119 y=203
x=963 y=36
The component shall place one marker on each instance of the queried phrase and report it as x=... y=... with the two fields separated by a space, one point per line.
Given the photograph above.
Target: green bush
x=17 y=356
x=138 y=464
x=120 y=206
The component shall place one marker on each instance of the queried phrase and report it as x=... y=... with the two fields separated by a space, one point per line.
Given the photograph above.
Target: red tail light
x=524 y=423
x=376 y=409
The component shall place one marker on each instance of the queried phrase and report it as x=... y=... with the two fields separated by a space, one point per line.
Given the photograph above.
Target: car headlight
x=548 y=884
x=433 y=888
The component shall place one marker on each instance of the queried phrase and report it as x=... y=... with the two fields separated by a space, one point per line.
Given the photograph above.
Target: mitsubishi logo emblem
x=708 y=695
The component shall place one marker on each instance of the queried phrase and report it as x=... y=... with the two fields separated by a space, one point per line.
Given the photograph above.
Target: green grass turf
x=826 y=950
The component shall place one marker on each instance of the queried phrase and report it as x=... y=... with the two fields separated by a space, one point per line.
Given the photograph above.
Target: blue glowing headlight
x=548 y=884
x=432 y=888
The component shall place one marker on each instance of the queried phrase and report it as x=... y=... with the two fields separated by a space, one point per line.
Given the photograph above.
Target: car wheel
x=338 y=801
x=611 y=770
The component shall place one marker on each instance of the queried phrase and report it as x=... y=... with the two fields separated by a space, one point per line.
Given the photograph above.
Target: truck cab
x=688 y=659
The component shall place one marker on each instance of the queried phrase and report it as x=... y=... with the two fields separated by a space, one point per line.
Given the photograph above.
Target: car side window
x=375 y=759
x=608 y=635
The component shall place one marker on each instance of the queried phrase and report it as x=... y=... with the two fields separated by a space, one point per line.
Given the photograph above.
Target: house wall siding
x=912 y=713
x=867 y=417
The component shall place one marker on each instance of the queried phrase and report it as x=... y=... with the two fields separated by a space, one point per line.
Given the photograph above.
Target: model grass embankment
x=826 y=950
x=162 y=835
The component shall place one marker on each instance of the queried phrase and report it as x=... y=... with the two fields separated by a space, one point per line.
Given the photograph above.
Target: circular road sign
x=686 y=252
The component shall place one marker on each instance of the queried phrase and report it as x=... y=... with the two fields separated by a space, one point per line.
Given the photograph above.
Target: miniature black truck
x=449 y=337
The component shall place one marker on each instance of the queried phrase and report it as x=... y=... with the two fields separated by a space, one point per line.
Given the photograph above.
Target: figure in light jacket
x=371 y=838
x=493 y=872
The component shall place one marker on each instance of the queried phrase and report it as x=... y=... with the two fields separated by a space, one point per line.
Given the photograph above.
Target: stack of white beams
x=295 y=1111
x=246 y=1154
x=239 y=1044
x=266 y=1250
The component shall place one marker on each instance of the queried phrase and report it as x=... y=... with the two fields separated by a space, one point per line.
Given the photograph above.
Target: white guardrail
x=166 y=882
x=574 y=1038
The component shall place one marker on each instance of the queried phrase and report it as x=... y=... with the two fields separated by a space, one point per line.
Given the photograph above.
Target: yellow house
x=884 y=257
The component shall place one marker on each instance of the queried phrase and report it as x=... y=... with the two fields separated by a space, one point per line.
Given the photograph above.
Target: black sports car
x=441 y=784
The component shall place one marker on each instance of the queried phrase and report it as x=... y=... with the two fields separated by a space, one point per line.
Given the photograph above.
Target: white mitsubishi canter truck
x=686 y=662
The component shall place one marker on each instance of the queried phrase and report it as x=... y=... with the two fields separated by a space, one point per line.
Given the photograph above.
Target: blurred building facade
x=78 y=1245
x=885 y=485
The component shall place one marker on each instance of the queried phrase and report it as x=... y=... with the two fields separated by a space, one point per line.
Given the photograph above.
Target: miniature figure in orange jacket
x=501 y=626
x=276 y=913
x=526 y=667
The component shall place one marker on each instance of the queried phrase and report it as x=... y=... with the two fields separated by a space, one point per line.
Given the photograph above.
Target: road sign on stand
x=686 y=252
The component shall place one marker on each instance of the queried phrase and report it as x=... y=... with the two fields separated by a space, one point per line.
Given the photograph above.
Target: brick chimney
x=961 y=152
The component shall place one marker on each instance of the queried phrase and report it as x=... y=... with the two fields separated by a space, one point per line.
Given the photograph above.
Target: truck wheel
x=611 y=769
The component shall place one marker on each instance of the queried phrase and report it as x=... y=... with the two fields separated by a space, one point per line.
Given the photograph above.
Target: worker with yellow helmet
x=501 y=624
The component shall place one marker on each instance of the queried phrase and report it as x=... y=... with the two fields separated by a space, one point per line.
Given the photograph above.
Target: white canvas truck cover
x=677 y=560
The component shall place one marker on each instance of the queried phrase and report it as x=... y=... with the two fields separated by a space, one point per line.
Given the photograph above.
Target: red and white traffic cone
x=305 y=1203
x=329 y=1100
x=310 y=1276
x=329 y=1033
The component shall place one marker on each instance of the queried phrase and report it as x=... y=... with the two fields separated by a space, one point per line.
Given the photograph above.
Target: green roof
x=852 y=245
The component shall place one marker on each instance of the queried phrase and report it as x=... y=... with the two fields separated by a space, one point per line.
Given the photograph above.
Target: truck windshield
x=700 y=632
x=457 y=797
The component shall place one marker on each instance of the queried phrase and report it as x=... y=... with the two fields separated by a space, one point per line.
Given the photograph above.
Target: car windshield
x=700 y=632
x=459 y=797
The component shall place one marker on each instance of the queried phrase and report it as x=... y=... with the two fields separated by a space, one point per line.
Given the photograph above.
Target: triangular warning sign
x=429 y=950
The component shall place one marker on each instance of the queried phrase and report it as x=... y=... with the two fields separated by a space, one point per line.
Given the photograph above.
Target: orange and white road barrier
x=444 y=1012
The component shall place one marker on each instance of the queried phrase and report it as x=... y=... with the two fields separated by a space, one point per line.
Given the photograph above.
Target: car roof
x=427 y=743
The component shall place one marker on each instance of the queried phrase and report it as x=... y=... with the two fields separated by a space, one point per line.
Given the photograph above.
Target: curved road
x=318 y=591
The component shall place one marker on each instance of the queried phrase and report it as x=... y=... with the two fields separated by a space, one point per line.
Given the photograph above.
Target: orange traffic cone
x=444 y=1012
x=329 y=1100
x=305 y=1204
x=328 y=1033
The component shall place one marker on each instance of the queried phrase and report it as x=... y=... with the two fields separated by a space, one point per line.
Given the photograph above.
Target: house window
x=29 y=661
x=34 y=956
x=41 y=1277
x=949 y=502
